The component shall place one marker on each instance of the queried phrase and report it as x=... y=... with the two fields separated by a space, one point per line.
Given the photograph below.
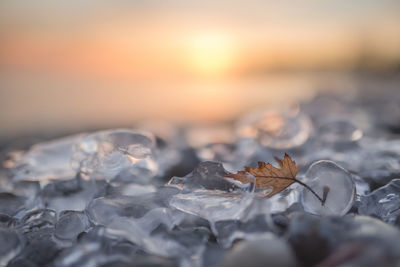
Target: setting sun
x=211 y=54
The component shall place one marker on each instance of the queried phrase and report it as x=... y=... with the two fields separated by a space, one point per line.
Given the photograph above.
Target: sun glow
x=211 y=54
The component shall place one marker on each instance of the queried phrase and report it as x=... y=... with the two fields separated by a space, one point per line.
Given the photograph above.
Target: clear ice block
x=326 y=177
x=278 y=130
x=103 y=155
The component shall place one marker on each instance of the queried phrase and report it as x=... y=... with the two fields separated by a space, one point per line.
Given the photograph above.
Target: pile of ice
x=157 y=195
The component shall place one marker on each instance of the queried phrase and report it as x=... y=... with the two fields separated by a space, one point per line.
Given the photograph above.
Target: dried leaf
x=268 y=175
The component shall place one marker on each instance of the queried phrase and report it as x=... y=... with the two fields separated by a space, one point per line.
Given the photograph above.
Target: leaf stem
x=312 y=191
x=321 y=199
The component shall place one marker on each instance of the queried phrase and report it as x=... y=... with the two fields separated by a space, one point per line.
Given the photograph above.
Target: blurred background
x=74 y=65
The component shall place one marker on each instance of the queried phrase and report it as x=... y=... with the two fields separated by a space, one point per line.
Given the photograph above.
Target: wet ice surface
x=156 y=195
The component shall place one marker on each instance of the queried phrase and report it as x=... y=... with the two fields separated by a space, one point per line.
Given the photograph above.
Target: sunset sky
x=58 y=51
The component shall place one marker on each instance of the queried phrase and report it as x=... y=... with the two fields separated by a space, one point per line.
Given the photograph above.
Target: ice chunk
x=339 y=131
x=219 y=144
x=233 y=155
x=283 y=200
x=130 y=189
x=102 y=210
x=383 y=202
x=10 y=204
x=102 y=155
x=162 y=243
x=137 y=219
x=207 y=175
x=71 y=194
x=5 y=220
x=96 y=248
x=229 y=231
x=10 y=245
x=326 y=177
x=37 y=221
x=206 y=193
x=24 y=196
x=70 y=224
x=39 y=251
x=213 y=205
x=47 y=161
x=277 y=130
x=362 y=187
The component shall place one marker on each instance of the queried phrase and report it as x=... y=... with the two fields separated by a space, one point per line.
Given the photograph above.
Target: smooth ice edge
x=331 y=212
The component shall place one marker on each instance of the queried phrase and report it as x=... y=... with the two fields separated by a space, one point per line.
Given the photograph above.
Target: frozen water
x=163 y=243
x=129 y=198
x=362 y=187
x=47 y=161
x=102 y=210
x=10 y=245
x=70 y=224
x=131 y=190
x=10 y=204
x=339 y=199
x=37 y=222
x=71 y=194
x=97 y=249
x=229 y=231
x=207 y=175
x=280 y=202
x=206 y=193
x=220 y=144
x=277 y=130
x=339 y=131
x=383 y=202
x=24 y=196
x=213 y=205
x=5 y=220
x=102 y=155
x=233 y=155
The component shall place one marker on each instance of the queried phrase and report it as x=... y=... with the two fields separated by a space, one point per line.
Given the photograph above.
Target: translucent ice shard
x=47 y=161
x=207 y=175
x=213 y=205
x=278 y=130
x=102 y=155
x=333 y=184
x=280 y=202
x=206 y=193
x=383 y=202
x=103 y=210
